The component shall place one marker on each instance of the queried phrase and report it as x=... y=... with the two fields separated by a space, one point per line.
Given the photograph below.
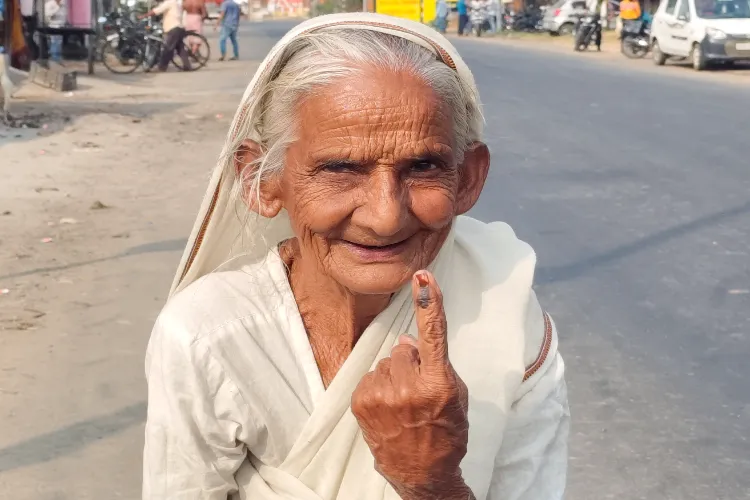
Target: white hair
x=316 y=59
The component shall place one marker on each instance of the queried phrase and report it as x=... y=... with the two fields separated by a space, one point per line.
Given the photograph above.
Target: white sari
x=237 y=407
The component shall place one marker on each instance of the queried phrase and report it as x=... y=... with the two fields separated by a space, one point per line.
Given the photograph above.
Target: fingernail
x=422 y=279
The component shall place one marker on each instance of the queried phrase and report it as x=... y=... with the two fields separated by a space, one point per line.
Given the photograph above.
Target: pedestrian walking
x=463 y=16
x=171 y=11
x=229 y=20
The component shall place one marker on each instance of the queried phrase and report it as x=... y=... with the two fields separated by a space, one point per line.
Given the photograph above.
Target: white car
x=706 y=31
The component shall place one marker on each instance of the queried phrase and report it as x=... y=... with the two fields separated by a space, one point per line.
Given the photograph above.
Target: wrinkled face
x=372 y=184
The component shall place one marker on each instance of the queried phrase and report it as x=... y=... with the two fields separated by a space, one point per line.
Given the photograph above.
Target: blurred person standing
x=56 y=15
x=229 y=20
x=194 y=14
x=630 y=10
x=441 y=16
x=463 y=16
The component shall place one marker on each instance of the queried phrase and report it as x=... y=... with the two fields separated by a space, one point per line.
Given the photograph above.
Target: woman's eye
x=423 y=166
x=338 y=167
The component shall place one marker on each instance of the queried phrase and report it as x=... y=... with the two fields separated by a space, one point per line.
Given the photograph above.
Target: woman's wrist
x=455 y=489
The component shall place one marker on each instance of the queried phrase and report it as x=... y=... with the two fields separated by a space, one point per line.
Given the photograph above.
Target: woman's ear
x=473 y=173
x=267 y=202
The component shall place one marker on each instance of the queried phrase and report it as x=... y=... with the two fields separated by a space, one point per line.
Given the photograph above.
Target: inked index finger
x=431 y=323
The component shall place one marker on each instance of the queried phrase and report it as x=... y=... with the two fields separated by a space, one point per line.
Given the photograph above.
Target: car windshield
x=723 y=9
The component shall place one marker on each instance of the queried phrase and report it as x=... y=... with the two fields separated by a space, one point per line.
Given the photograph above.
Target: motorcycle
x=530 y=20
x=635 y=39
x=479 y=17
x=588 y=29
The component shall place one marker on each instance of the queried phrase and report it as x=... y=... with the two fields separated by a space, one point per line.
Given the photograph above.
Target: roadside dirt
x=97 y=194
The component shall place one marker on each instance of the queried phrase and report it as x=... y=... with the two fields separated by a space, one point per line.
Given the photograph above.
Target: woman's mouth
x=374 y=253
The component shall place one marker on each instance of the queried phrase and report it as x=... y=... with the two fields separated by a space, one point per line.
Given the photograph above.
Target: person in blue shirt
x=229 y=20
x=463 y=16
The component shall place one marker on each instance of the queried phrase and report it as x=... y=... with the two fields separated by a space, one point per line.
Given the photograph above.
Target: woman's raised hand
x=413 y=408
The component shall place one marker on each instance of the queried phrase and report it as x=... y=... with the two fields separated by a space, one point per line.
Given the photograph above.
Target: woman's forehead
x=378 y=110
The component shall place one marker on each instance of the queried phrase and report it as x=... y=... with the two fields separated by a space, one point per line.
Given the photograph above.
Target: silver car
x=560 y=18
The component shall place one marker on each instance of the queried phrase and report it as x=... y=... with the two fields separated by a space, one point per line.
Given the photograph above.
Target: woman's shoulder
x=495 y=251
x=477 y=233
x=218 y=300
x=502 y=260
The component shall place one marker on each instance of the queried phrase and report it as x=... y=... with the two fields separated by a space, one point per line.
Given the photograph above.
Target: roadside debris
x=68 y=220
x=47 y=240
x=98 y=205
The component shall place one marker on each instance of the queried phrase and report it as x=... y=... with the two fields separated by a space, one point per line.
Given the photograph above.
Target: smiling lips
x=373 y=253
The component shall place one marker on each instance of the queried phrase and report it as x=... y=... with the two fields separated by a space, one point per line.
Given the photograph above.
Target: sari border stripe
x=543 y=352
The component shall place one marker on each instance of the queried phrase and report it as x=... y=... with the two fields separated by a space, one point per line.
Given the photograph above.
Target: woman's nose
x=385 y=210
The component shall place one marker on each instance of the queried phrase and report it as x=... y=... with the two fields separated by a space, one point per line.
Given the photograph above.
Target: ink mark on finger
x=423 y=299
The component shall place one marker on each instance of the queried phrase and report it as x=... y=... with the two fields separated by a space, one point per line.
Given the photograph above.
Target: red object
x=557 y=12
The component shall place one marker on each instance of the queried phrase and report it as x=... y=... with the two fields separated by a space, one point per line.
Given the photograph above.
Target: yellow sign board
x=416 y=10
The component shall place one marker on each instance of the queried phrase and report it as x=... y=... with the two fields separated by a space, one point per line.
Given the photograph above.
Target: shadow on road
x=159 y=246
x=67 y=440
x=549 y=275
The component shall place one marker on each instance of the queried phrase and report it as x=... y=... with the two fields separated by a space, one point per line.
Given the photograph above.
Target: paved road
x=639 y=209
x=639 y=212
x=634 y=188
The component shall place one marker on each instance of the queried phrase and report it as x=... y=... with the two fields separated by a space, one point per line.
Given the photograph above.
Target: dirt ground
x=94 y=208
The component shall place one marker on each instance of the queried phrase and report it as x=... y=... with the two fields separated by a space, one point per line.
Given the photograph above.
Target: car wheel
x=698 y=58
x=659 y=57
x=566 y=29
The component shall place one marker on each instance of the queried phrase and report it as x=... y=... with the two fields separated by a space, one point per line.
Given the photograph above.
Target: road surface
x=631 y=185
x=634 y=188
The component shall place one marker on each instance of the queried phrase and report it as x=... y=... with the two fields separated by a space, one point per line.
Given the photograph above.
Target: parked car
x=706 y=31
x=560 y=18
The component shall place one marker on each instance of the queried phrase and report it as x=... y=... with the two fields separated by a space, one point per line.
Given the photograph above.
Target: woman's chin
x=376 y=279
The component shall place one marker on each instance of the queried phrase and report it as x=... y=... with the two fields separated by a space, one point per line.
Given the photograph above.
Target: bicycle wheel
x=198 y=50
x=121 y=58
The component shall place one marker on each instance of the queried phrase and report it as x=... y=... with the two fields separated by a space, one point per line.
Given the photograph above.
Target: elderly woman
x=307 y=351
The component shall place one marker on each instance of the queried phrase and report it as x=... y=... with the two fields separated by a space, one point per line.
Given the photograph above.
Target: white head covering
x=219 y=234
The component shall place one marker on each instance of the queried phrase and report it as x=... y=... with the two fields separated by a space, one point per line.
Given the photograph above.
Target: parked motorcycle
x=588 y=29
x=635 y=39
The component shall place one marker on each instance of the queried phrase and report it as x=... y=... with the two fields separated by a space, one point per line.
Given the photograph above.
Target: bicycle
x=129 y=45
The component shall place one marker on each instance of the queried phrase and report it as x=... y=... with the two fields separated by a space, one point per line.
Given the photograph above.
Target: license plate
x=743 y=46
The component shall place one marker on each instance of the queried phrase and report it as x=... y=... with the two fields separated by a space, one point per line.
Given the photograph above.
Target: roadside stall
x=70 y=23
